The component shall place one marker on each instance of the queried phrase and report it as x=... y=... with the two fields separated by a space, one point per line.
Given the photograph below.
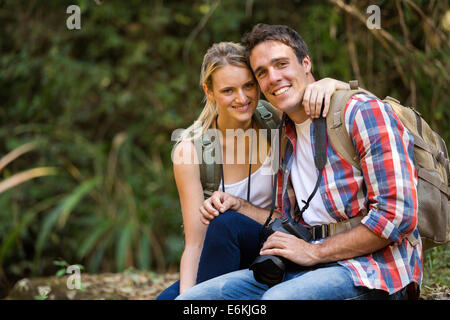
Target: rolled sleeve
x=385 y=148
x=381 y=226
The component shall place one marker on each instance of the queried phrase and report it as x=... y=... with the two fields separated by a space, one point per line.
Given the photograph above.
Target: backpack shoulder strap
x=337 y=132
x=266 y=117
x=210 y=173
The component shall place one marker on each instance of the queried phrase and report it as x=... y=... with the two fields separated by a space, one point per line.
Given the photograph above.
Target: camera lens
x=268 y=270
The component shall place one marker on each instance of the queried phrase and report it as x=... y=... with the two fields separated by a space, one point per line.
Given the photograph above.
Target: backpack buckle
x=266 y=115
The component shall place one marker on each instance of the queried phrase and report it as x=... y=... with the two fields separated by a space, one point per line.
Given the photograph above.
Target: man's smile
x=280 y=91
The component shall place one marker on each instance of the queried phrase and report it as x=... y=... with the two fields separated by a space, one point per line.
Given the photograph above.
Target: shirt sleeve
x=385 y=148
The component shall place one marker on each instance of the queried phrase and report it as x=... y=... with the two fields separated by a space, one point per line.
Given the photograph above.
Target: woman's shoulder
x=184 y=153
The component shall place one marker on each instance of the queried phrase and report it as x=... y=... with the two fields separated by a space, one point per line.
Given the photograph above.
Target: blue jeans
x=231 y=243
x=331 y=282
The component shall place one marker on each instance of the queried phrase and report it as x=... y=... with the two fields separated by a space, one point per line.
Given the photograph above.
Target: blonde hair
x=218 y=55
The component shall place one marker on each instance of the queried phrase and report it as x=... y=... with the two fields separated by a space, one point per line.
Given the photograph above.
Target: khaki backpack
x=265 y=117
x=430 y=158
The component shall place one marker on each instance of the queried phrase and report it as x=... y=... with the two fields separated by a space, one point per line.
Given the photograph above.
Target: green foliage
x=436 y=266
x=103 y=101
x=63 y=265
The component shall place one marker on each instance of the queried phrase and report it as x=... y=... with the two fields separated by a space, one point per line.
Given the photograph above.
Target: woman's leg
x=170 y=293
x=231 y=243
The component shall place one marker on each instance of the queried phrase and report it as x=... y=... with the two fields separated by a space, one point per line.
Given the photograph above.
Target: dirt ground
x=129 y=285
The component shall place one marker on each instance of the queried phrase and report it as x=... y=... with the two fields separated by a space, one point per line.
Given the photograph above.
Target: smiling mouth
x=242 y=108
x=280 y=91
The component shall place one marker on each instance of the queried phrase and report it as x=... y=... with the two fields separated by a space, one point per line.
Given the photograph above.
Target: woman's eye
x=249 y=85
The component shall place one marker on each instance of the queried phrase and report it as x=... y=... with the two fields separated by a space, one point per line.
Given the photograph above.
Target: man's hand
x=218 y=203
x=290 y=247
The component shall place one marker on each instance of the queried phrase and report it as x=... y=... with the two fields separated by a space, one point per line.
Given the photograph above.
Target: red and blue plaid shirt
x=385 y=188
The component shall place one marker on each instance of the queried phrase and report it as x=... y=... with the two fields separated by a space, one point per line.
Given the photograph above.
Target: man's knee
x=275 y=294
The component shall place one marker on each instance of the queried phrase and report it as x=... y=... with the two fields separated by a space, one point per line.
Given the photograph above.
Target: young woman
x=231 y=240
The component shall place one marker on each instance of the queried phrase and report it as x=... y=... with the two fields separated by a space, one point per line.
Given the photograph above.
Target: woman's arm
x=187 y=178
x=316 y=92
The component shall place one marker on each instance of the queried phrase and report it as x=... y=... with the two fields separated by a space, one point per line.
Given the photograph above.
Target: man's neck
x=298 y=116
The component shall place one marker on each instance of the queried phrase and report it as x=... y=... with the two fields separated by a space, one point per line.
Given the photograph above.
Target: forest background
x=87 y=114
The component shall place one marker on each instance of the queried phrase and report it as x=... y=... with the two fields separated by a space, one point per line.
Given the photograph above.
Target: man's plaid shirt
x=385 y=189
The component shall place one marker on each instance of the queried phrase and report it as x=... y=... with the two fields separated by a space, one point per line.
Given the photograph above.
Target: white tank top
x=260 y=189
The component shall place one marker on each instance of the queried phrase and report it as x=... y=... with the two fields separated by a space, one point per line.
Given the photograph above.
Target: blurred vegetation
x=99 y=105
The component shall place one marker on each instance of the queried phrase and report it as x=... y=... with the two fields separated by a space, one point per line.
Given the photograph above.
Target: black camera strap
x=320 y=156
x=274 y=180
x=249 y=165
x=320 y=159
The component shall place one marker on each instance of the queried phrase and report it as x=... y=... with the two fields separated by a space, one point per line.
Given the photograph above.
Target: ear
x=306 y=63
x=208 y=92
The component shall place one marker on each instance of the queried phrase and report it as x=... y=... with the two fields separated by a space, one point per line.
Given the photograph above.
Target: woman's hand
x=218 y=203
x=316 y=92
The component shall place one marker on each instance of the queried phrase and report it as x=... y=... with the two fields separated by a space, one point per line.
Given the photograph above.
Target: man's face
x=280 y=75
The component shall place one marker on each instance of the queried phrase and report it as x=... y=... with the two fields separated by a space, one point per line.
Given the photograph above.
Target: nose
x=273 y=75
x=241 y=97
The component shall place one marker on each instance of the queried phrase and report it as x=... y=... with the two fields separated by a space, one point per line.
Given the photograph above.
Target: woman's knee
x=225 y=222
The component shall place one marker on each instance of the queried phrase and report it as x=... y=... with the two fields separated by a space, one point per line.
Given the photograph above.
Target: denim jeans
x=331 y=282
x=231 y=243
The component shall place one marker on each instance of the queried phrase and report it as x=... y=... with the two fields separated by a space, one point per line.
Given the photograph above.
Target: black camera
x=269 y=269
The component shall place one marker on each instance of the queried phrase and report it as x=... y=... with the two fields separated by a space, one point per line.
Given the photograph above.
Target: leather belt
x=328 y=230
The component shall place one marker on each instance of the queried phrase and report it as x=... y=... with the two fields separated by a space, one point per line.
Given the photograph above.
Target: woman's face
x=235 y=92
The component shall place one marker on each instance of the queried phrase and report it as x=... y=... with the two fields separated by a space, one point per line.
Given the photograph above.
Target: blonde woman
x=230 y=241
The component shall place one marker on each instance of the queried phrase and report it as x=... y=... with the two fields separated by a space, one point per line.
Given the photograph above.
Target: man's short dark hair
x=284 y=34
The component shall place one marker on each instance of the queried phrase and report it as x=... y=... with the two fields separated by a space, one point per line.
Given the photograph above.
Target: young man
x=372 y=258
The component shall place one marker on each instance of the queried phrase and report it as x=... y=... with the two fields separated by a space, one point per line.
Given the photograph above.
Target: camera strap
x=249 y=165
x=320 y=156
x=274 y=180
x=320 y=159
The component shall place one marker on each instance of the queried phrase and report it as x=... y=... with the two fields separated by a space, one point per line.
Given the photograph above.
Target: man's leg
x=238 y=285
x=332 y=282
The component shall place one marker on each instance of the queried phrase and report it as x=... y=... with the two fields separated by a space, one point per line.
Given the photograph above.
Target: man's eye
x=260 y=74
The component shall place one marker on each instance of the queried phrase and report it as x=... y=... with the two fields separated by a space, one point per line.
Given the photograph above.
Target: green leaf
x=123 y=246
x=25 y=220
x=60 y=272
x=92 y=240
x=64 y=207
x=60 y=263
x=144 y=252
x=72 y=200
